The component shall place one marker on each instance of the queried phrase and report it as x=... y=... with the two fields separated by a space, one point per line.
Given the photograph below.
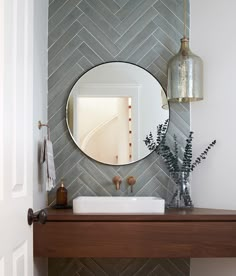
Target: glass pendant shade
x=185 y=75
x=164 y=101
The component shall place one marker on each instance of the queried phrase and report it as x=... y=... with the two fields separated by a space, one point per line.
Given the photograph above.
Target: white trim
x=21 y=251
x=2 y=266
x=105 y=85
x=13 y=91
x=2 y=84
x=19 y=95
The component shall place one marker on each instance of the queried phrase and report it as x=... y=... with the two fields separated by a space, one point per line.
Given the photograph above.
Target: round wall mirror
x=112 y=108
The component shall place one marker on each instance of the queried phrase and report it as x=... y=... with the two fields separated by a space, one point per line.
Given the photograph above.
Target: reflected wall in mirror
x=112 y=108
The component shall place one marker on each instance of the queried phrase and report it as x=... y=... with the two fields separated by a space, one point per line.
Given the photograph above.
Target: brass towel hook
x=40 y=125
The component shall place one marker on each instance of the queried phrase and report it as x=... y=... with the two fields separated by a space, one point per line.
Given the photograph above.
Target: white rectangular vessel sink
x=118 y=205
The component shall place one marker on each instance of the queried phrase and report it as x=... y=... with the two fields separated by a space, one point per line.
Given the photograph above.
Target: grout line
x=57 y=9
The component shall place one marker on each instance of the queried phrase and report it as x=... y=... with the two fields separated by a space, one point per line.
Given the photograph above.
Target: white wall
x=213 y=38
x=40 y=112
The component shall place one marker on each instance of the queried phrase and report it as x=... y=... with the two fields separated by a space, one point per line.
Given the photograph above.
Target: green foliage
x=172 y=158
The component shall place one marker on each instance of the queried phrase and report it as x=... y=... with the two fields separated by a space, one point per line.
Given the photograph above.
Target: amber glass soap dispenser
x=61 y=195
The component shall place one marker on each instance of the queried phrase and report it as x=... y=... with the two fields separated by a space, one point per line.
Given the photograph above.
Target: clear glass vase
x=181 y=197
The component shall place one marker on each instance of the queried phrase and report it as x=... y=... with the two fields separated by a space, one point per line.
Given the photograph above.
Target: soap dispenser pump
x=61 y=195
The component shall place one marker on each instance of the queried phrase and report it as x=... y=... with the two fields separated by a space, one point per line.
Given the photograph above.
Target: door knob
x=40 y=216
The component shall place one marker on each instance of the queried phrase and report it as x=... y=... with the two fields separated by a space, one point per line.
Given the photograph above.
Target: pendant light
x=164 y=101
x=185 y=73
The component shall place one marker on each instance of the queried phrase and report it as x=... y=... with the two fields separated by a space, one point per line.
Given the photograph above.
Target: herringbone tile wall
x=118 y=267
x=85 y=33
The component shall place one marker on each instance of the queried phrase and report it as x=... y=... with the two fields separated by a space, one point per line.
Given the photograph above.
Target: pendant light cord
x=185 y=18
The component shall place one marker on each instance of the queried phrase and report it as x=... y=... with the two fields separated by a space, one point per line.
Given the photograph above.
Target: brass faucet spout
x=117 y=185
x=117 y=181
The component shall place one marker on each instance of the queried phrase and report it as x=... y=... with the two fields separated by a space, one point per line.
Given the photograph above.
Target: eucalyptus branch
x=202 y=156
x=187 y=159
x=180 y=170
x=171 y=158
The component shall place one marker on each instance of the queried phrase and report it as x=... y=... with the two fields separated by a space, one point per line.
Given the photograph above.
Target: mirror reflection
x=112 y=108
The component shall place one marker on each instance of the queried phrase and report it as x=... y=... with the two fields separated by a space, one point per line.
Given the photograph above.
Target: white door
x=16 y=158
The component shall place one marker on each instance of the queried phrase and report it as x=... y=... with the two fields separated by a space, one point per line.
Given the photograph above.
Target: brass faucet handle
x=117 y=181
x=131 y=181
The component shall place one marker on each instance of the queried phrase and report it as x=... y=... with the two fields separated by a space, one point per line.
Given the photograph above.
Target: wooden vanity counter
x=177 y=233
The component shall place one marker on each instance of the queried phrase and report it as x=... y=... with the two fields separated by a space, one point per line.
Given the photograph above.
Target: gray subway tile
x=109 y=16
x=94 y=179
x=146 y=176
x=161 y=64
x=86 y=191
x=148 y=266
x=181 y=115
x=137 y=41
x=96 y=46
x=131 y=270
x=182 y=264
x=57 y=131
x=100 y=35
x=99 y=22
x=162 y=192
x=64 y=40
x=136 y=28
x=163 y=23
x=162 y=177
x=121 y=3
x=149 y=187
x=134 y=16
x=63 y=55
x=63 y=26
x=153 y=69
x=127 y=9
x=54 y=7
x=63 y=156
x=143 y=49
x=163 y=51
x=61 y=142
x=92 y=168
x=180 y=129
x=170 y=44
x=57 y=118
x=171 y=268
x=85 y=63
x=70 y=166
x=162 y=78
x=62 y=89
x=138 y=168
x=90 y=54
x=62 y=12
x=111 y=5
x=172 y=18
x=94 y=267
x=73 y=190
x=177 y=9
x=147 y=59
x=68 y=63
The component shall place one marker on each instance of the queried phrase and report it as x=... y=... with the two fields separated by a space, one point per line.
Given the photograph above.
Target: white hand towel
x=47 y=155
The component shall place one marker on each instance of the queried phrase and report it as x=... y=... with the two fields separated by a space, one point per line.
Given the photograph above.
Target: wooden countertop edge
x=174 y=215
